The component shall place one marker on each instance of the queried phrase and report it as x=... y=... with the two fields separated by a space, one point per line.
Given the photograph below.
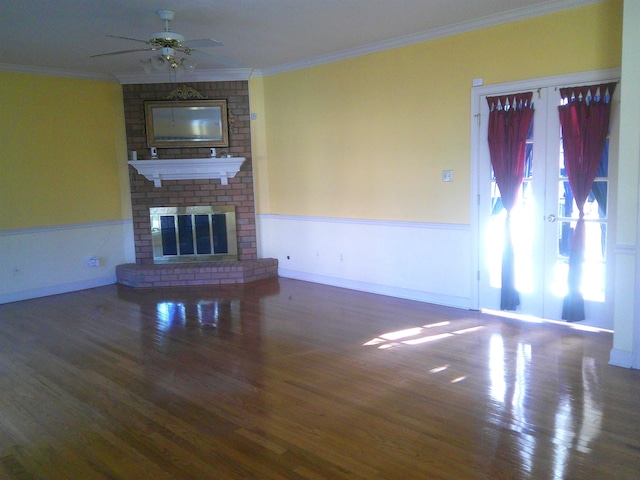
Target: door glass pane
x=595 y=215
x=595 y=208
x=522 y=226
x=593 y=278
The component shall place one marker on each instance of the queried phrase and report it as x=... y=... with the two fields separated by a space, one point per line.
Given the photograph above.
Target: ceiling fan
x=168 y=43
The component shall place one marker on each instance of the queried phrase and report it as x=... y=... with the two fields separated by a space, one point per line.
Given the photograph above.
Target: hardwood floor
x=283 y=379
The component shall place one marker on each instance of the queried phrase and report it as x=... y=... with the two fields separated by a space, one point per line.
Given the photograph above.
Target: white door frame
x=499 y=89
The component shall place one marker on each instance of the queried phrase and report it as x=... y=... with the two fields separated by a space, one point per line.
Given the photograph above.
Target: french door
x=544 y=219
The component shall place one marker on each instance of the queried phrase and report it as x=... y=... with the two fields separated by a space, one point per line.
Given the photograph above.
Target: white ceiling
x=266 y=35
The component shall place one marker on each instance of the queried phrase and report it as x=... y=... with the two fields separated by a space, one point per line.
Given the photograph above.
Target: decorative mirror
x=187 y=123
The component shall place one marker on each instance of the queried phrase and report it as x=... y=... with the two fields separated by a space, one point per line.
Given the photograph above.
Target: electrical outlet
x=94 y=261
x=447 y=175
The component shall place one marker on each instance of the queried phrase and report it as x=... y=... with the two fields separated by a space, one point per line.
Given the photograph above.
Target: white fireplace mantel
x=192 y=168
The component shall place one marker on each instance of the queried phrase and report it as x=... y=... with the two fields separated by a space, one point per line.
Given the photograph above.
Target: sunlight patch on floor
x=390 y=339
x=532 y=319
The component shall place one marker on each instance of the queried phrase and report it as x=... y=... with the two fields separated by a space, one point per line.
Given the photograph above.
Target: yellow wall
x=60 y=141
x=369 y=137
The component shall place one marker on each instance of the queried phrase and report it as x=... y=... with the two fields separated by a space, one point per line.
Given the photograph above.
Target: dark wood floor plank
x=285 y=379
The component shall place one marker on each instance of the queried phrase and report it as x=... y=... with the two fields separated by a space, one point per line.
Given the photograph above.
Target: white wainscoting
x=419 y=261
x=625 y=349
x=47 y=261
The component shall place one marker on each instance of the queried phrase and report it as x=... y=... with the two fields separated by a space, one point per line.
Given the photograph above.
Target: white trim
x=433 y=34
x=625 y=250
x=621 y=358
x=358 y=221
x=55 y=72
x=611 y=74
x=57 y=289
x=378 y=289
x=37 y=230
x=220 y=75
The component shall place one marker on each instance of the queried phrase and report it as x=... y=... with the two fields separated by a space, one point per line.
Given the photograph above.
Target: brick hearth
x=192 y=274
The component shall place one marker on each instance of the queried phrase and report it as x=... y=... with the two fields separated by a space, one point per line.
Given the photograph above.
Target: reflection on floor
x=288 y=379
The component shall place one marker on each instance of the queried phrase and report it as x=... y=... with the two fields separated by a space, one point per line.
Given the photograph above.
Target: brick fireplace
x=193 y=192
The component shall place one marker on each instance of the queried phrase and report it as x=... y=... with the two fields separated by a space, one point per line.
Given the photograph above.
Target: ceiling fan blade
x=121 y=52
x=202 y=43
x=128 y=38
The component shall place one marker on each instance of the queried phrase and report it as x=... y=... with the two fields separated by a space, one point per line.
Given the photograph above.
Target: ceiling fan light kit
x=160 y=63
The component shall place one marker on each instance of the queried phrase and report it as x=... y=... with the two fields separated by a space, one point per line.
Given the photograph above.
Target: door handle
x=551 y=218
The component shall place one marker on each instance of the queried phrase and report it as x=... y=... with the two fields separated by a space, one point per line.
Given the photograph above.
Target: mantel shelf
x=185 y=169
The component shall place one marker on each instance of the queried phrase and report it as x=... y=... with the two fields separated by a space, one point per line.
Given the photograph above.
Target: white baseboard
x=621 y=358
x=57 y=289
x=408 y=294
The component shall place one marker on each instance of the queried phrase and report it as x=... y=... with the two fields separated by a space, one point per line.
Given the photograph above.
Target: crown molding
x=56 y=72
x=433 y=34
x=218 y=75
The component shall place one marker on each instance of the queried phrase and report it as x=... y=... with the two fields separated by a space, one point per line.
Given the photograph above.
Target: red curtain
x=509 y=122
x=584 y=117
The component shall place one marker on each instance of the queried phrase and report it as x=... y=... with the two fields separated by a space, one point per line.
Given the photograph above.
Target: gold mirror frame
x=187 y=123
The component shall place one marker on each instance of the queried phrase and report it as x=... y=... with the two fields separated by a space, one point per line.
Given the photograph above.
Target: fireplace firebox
x=193 y=234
